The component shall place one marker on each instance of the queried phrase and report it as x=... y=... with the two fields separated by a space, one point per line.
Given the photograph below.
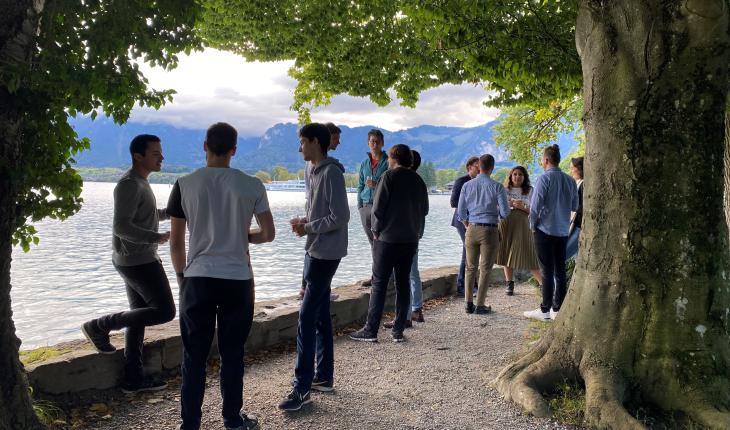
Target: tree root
x=707 y=415
x=523 y=381
x=604 y=401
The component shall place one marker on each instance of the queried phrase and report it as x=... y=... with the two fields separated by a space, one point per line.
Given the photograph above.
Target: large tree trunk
x=726 y=195
x=18 y=27
x=646 y=319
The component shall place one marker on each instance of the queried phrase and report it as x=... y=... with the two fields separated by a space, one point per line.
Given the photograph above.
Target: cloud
x=219 y=86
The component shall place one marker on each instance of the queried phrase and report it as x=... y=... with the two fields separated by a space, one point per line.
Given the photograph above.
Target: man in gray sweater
x=134 y=243
x=326 y=229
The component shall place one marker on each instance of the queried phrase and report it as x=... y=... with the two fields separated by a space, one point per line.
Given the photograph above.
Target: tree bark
x=726 y=176
x=18 y=27
x=646 y=318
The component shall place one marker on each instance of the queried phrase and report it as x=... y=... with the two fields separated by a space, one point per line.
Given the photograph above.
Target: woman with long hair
x=576 y=171
x=516 y=248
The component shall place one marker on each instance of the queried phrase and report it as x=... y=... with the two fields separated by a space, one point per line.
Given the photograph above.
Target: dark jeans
x=387 y=258
x=551 y=255
x=203 y=301
x=150 y=303
x=462 y=266
x=314 y=334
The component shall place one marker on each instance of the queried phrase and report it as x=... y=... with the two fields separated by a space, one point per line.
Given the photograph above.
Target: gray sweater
x=136 y=219
x=327 y=211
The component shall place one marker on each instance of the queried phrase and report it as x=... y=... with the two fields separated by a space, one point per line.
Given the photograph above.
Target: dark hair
x=320 y=132
x=377 y=133
x=525 y=183
x=486 y=162
x=552 y=153
x=333 y=128
x=221 y=138
x=139 y=144
x=471 y=161
x=578 y=163
x=416 y=160
x=401 y=154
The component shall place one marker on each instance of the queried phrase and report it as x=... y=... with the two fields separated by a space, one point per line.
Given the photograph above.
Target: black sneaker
x=511 y=288
x=398 y=337
x=98 y=337
x=363 y=336
x=469 y=308
x=322 y=385
x=249 y=423
x=146 y=384
x=294 y=401
x=482 y=310
x=459 y=294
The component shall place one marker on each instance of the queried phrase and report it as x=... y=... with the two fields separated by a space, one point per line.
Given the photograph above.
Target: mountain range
x=445 y=147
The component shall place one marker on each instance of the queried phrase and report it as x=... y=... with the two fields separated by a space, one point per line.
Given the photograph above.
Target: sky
x=217 y=86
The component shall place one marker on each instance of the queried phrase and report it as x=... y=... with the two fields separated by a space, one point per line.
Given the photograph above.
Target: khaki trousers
x=480 y=241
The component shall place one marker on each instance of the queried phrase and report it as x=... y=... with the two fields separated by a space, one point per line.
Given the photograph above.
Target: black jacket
x=400 y=206
x=455 y=193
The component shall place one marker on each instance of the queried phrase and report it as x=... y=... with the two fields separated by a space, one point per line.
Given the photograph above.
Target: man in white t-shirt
x=217 y=203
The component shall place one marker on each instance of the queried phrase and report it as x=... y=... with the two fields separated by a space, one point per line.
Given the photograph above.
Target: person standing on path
x=482 y=202
x=326 y=229
x=576 y=171
x=472 y=170
x=134 y=255
x=217 y=204
x=369 y=174
x=517 y=246
x=400 y=207
x=555 y=196
x=335 y=133
x=415 y=312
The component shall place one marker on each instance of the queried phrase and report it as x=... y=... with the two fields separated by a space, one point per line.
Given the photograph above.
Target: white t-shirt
x=515 y=193
x=218 y=204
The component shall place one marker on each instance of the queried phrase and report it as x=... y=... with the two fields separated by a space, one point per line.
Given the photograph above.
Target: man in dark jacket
x=399 y=213
x=472 y=170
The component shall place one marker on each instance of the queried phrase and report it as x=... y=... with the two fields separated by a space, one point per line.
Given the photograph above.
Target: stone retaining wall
x=275 y=322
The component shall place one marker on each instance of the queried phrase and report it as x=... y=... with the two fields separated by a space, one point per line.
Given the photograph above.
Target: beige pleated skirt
x=516 y=247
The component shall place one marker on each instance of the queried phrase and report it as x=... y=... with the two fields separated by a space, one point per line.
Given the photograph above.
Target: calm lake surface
x=69 y=277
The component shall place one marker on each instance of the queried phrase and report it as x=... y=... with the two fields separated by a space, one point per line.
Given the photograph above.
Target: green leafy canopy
x=86 y=61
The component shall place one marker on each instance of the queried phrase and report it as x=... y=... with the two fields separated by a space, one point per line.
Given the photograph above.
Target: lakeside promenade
x=439 y=379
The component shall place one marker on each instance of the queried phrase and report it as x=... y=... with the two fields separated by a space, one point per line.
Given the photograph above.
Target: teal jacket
x=365 y=194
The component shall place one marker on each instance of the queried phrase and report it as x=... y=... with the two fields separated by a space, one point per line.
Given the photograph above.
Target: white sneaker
x=537 y=314
x=553 y=314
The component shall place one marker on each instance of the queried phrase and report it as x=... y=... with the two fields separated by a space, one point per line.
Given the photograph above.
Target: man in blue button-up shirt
x=481 y=203
x=554 y=197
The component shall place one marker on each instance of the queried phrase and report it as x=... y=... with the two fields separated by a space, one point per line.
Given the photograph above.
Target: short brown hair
x=221 y=138
x=377 y=133
x=471 y=161
x=486 y=162
x=333 y=128
x=552 y=153
x=401 y=154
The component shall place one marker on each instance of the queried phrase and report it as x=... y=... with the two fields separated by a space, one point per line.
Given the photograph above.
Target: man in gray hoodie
x=326 y=229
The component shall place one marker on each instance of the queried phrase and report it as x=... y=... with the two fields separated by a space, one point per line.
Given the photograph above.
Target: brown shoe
x=390 y=324
x=417 y=316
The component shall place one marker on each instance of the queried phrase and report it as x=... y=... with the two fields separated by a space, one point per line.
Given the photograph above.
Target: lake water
x=69 y=278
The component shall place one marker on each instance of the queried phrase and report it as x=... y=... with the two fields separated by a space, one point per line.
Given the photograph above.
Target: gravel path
x=438 y=379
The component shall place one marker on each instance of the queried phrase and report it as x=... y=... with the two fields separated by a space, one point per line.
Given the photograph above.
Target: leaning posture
x=217 y=204
x=134 y=254
x=325 y=227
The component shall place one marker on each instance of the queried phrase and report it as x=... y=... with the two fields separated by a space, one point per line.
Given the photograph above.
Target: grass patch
x=568 y=403
x=536 y=329
x=40 y=354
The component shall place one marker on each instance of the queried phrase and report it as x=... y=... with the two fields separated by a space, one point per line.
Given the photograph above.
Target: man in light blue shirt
x=554 y=198
x=481 y=203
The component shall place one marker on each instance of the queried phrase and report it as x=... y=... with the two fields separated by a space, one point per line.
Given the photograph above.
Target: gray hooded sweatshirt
x=327 y=211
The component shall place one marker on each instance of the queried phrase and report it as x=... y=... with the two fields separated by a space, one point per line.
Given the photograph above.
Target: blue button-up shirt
x=483 y=200
x=554 y=197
